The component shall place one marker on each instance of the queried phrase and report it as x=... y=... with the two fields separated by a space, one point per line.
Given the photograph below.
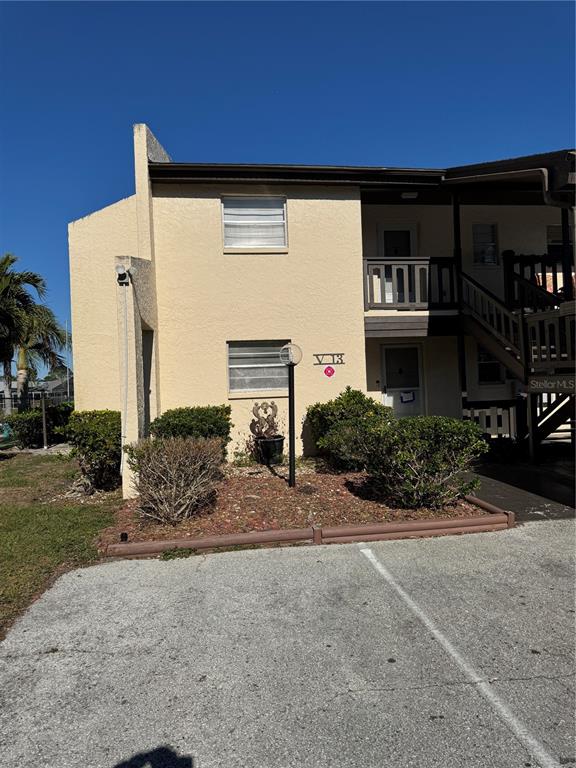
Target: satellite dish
x=290 y=354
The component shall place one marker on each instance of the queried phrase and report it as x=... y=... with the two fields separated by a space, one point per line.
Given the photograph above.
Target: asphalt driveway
x=453 y=652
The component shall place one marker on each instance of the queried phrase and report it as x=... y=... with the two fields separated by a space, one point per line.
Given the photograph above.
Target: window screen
x=254 y=222
x=256 y=365
x=485 y=244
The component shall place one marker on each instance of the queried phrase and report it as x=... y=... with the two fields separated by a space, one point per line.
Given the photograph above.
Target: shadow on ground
x=161 y=757
x=531 y=492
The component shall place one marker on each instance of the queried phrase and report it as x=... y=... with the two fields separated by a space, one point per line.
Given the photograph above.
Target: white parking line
x=533 y=746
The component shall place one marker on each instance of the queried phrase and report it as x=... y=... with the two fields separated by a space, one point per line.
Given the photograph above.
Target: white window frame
x=487 y=264
x=254 y=248
x=245 y=392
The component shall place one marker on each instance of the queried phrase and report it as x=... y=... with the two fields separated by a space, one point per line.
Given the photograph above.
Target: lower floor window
x=256 y=365
x=490 y=371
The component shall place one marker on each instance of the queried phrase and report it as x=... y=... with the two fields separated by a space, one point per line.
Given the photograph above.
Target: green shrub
x=96 y=439
x=27 y=428
x=200 y=421
x=419 y=461
x=175 y=477
x=344 y=444
x=58 y=417
x=334 y=425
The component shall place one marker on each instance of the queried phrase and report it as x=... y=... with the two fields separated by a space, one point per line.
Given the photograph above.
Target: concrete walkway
x=436 y=653
x=527 y=491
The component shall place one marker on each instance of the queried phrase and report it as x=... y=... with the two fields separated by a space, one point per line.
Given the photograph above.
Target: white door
x=401 y=380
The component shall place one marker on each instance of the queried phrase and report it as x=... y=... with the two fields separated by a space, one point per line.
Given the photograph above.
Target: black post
x=457 y=255
x=291 y=428
x=532 y=426
x=567 y=256
x=44 y=425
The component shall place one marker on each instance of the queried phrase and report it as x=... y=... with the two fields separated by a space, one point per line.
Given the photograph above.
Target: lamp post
x=290 y=355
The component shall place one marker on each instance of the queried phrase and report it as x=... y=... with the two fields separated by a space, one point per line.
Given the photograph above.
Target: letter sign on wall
x=329 y=360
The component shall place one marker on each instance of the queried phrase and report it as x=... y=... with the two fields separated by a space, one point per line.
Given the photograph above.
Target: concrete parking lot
x=450 y=652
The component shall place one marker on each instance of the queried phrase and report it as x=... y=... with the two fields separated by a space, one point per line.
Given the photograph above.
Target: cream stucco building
x=390 y=280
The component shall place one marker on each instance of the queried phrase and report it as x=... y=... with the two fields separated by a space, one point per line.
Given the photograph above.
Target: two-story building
x=438 y=291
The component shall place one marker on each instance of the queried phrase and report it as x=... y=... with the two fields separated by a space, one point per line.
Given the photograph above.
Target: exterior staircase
x=532 y=334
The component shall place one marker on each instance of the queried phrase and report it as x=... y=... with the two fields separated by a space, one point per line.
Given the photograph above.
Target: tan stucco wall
x=312 y=295
x=95 y=243
x=439 y=372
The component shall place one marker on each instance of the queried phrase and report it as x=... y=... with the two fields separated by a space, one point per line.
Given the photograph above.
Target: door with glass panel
x=402 y=380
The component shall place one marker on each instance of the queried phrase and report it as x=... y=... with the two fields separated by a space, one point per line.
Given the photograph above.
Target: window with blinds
x=254 y=222
x=256 y=365
x=485 y=244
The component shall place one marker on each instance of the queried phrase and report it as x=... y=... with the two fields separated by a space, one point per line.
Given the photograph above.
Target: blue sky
x=407 y=84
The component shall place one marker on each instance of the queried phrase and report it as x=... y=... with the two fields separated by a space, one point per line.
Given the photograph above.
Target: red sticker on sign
x=329 y=371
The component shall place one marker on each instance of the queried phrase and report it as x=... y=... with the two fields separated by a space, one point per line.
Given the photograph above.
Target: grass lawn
x=42 y=533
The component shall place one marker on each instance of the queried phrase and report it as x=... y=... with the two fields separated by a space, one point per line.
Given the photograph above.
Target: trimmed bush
x=419 y=461
x=96 y=439
x=27 y=425
x=335 y=425
x=175 y=477
x=344 y=445
x=200 y=421
x=26 y=428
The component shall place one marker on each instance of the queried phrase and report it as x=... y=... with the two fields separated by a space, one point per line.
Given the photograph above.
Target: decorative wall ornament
x=264 y=423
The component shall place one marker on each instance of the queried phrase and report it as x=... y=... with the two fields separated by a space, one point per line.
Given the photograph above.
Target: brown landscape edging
x=499 y=520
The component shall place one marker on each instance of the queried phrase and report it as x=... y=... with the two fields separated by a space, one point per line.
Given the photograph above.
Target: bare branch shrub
x=175 y=477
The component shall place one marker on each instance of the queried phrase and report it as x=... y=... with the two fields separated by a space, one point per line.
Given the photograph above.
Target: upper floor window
x=485 y=243
x=256 y=365
x=254 y=222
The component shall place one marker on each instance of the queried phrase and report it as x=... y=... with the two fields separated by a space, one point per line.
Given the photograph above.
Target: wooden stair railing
x=524 y=294
x=544 y=271
x=554 y=414
x=488 y=310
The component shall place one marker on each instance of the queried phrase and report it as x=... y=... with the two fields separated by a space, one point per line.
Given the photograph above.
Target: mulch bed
x=258 y=500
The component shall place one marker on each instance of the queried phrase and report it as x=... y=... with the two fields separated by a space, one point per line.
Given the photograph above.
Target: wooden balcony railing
x=410 y=284
x=495 y=419
x=551 y=338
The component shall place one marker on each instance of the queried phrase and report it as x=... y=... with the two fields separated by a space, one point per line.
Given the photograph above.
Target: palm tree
x=27 y=329
x=40 y=339
x=15 y=299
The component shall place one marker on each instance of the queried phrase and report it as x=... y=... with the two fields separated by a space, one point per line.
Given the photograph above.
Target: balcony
x=414 y=284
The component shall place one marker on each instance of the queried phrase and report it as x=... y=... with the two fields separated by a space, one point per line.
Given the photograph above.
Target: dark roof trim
x=307 y=174
x=561 y=157
x=557 y=166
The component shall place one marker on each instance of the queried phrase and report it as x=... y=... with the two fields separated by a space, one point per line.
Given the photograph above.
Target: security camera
x=122 y=274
